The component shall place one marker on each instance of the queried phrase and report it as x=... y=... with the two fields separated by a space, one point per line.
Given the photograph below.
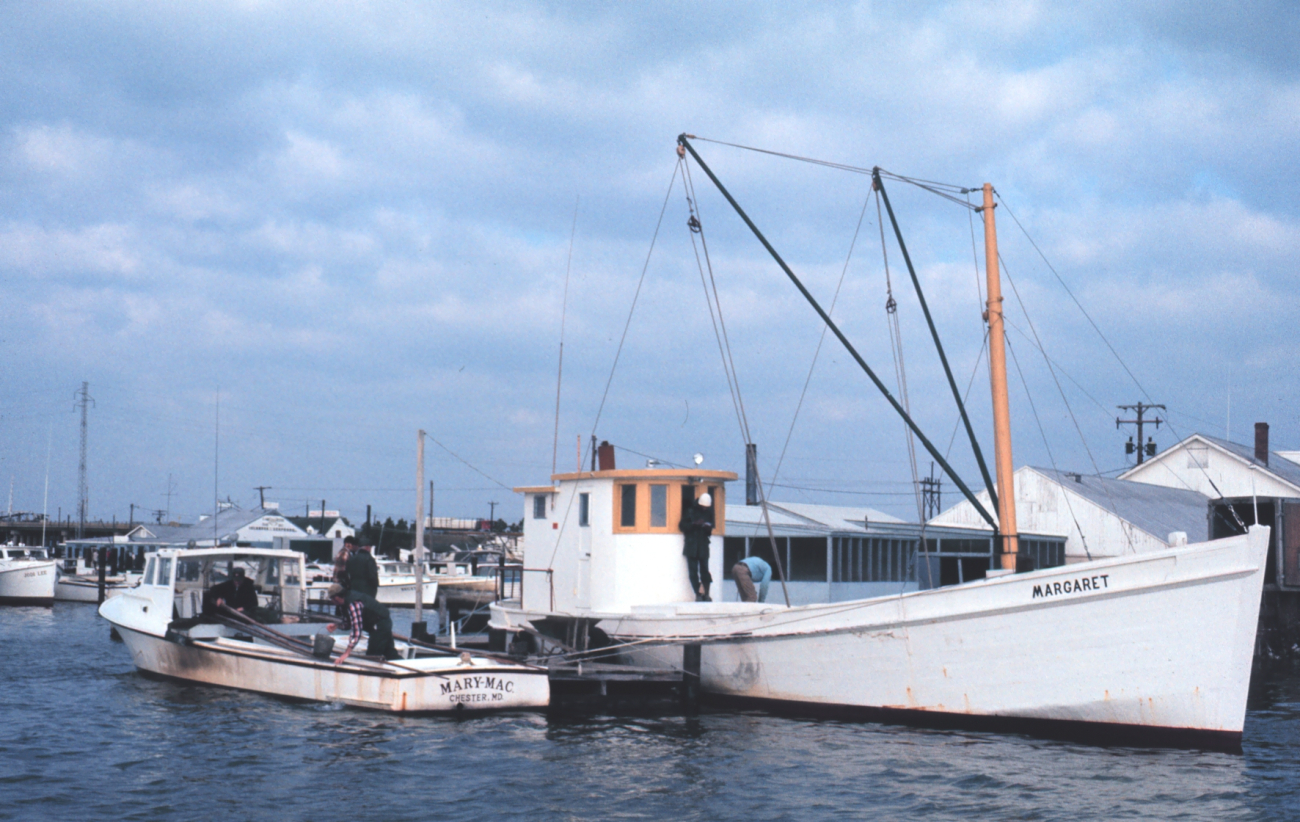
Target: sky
x=277 y=239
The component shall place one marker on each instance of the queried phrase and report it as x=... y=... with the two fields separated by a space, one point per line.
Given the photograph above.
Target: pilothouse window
x=539 y=506
x=627 y=512
x=658 y=506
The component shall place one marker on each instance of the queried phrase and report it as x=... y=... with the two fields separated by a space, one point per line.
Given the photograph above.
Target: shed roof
x=1156 y=509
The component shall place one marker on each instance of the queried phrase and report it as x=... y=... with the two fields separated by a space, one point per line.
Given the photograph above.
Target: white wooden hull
x=403 y=593
x=1154 y=648
x=400 y=593
x=72 y=588
x=27 y=582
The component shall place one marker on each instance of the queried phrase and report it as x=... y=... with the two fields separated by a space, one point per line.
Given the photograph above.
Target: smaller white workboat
x=77 y=581
x=396 y=584
x=161 y=621
x=26 y=576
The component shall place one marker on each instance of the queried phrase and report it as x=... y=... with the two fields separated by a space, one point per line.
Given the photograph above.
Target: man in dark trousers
x=697 y=525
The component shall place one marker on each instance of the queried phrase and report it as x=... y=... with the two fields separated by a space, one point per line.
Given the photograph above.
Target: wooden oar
x=285 y=641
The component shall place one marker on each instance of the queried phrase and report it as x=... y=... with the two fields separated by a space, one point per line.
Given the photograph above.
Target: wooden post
x=998 y=380
x=418 y=629
x=691 y=675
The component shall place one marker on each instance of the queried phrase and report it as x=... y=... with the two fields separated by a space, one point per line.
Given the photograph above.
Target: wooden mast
x=998 y=377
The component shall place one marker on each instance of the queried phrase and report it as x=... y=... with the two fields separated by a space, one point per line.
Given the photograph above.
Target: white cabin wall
x=538 y=545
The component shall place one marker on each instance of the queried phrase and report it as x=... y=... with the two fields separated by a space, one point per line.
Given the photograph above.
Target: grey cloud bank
x=353 y=222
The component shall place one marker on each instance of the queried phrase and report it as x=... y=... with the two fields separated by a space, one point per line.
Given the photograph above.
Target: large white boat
x=26 y=576
x=1150 y=649
x=161 y=622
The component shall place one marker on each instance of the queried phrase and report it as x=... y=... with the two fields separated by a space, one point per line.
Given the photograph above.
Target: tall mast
x=998 y=377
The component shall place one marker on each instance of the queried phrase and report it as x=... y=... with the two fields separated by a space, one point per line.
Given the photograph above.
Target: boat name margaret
x=1071 y=586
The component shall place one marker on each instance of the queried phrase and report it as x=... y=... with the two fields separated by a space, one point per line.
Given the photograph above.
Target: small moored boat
x=26 y=576
x=163 y=624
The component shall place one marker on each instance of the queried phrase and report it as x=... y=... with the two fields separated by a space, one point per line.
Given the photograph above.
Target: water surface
x=83 y=736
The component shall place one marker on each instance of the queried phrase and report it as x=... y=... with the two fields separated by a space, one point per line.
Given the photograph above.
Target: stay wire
x=729 y=363
x=944 y=190
x=637 y=295
x=1078 y=304
x=467 y=463
x=900 y=370
x=1064 y=399
x=1097 y=328
x=550 y=564
x=1024 y=384
x=697 y=227
x=820 y=340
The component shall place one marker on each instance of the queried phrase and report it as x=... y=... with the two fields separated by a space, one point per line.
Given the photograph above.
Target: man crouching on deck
x=362 y=608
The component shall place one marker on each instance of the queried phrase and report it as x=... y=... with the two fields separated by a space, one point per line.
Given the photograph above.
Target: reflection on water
x=83 y=736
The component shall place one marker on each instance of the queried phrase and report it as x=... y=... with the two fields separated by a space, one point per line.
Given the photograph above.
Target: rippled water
x=82 y=736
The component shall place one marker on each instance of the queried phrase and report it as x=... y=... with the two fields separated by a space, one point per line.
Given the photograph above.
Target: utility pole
x=84 y=401
x=261 y=495
x=171 y=488
x=931 y=489
x=492 y=517
x=1143 y=450
x=130 y=522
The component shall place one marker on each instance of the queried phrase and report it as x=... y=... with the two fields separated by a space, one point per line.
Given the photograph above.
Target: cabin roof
x=648 y=474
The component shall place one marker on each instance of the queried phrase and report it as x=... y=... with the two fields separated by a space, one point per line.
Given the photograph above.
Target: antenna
x=564 y=307
x=84 y=401
x=171 y=488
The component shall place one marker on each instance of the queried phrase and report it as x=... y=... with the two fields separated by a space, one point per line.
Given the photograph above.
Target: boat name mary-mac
x=495 y=688
x=1072 y=586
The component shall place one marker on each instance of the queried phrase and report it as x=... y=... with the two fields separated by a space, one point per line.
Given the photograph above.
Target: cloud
x=356 y=219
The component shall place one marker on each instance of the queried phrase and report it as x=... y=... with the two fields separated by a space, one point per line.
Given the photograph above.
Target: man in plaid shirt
x=360 y=608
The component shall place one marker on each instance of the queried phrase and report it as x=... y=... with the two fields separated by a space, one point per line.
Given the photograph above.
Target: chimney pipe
x=751 y=474
x=605 y=456
x=1261 y=442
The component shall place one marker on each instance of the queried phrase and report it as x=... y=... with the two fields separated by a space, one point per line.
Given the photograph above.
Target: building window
x=539 y=506
x=627 y=510
x=658 y=506
x=584 y=509
x=1198 y=455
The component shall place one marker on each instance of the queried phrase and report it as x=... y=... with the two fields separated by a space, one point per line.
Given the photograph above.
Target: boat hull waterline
x=392 y=687
x=1151 y=649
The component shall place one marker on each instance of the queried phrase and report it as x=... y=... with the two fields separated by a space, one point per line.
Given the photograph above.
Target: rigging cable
x=1042 y=433
x=727 y=361
x=1115 y=353
x=900 y=371
x=1061 y=390
x=820 y=340
x=619 y=352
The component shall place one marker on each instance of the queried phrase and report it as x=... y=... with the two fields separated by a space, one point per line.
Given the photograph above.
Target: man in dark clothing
x=363 y=571
x=697 y=525
x=236 y=592
x=363 y=610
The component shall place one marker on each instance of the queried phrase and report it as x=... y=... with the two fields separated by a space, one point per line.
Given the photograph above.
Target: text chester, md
x=1078 y=585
